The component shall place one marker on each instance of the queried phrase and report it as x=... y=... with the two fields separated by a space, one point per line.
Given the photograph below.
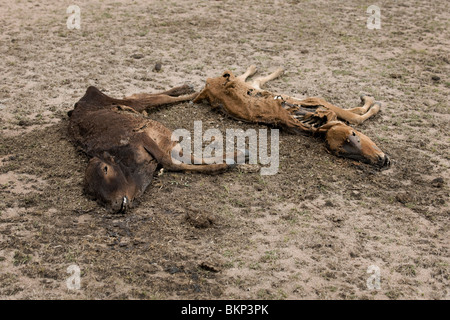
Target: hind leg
x=374 y=109
x=144 y=101
x=164 y=157
x=345 y=114
x=229 y=158
x=261 y=81
x=354 y=118
x=367 y=101
x=174 y=92
x=179 y=91
x=370 y=108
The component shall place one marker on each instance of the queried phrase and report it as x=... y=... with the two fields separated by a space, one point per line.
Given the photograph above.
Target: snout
x=121 y=205
x=383 y=161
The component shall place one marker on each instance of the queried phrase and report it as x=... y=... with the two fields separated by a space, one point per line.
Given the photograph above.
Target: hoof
x=190 y=86
x=376 y=106
x=231 y=163
x=376 y=103
x=253 y=69
x=280 y=70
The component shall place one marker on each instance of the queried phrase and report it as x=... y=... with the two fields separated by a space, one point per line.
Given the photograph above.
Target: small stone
x=24 y=123
x=137 y=56
x=157 y=67
x=173 y=270
x=356 y=194
x=438 y=182
x=429 y=102
x=209 y=266
x=328 y=203
x=395 y=76
x=403 y=198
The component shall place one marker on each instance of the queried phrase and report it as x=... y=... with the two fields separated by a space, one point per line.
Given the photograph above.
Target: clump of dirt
x=199 y=219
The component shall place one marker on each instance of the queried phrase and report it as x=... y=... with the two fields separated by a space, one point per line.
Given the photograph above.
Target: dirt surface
x=309 y=232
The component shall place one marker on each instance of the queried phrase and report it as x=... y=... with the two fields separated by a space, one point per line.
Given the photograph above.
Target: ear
x=108 y=157
x=94 y=159
x=228 y=75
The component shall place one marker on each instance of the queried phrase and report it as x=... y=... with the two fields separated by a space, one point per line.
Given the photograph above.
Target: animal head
x=110 y=184
x=344 y=141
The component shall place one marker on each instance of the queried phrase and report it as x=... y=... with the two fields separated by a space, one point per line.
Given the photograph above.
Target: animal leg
x=163 y=99
x=374 y=109
x=165 y=159
x=141 y=102
x=261 y=81
x=229 y=158
x=356 y=119
x=250 y=71
x=166 y=162
x=138 y=102
x=367 y=102
x=179 y=91
x=343 y=114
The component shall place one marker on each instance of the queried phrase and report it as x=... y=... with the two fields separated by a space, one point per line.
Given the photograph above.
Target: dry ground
x=311 y=231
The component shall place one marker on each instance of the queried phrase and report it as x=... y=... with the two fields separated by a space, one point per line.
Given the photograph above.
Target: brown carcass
x=246 y=101
x=125 y=147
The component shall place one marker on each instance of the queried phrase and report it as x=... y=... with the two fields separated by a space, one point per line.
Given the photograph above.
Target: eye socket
x=353 y=138
x=105 y=169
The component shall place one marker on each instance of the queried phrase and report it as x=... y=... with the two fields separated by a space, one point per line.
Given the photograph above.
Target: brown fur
x=125 y=147
x=248 y=102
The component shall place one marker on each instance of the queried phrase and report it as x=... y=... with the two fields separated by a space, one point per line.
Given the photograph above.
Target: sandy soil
x=309 y=232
